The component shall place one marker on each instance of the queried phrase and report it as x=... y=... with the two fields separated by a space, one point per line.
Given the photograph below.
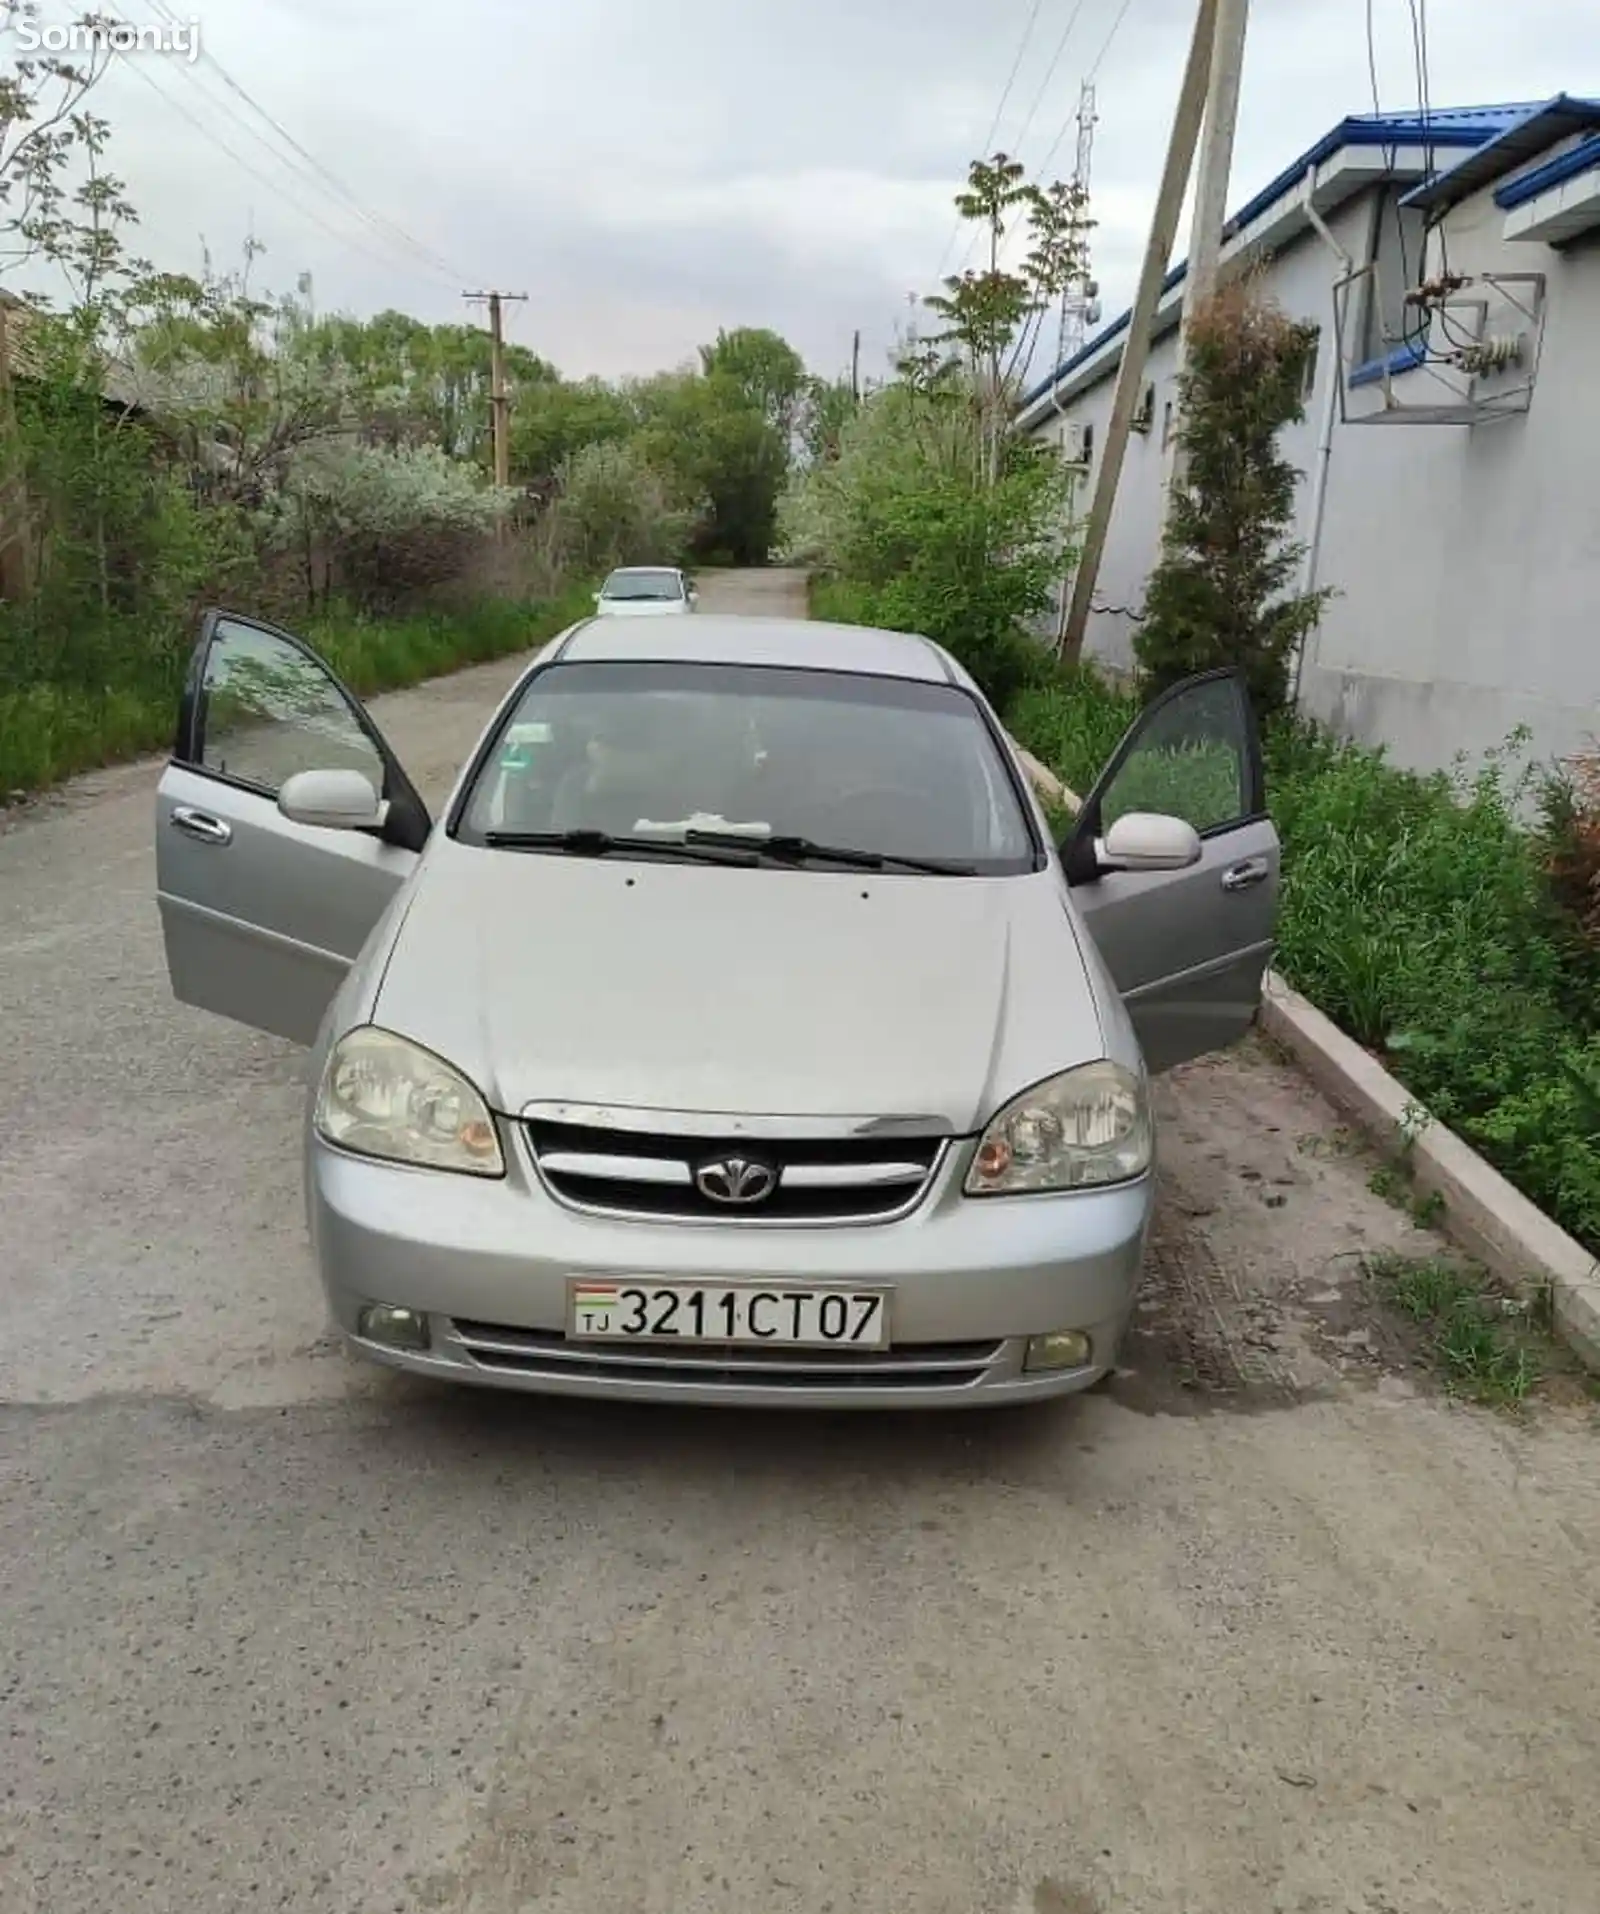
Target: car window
x=891 y=766
x=643 y=584
x=269 y=710
x=1189 y=760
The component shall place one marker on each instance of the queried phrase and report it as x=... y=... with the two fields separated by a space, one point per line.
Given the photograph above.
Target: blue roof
x=1565 y=166
x=1458 y=126
x=1535 y=132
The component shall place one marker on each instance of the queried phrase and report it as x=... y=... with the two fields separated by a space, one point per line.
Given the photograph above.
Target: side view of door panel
x=1187 y=948
x=261 y=925
x=261 y=915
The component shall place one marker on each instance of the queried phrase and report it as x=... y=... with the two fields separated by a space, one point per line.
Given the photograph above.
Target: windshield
x=893 y=767
x=642 y=585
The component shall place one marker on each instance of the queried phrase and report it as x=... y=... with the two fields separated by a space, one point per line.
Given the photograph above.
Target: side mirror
x=332 y=800
x=1148 y=841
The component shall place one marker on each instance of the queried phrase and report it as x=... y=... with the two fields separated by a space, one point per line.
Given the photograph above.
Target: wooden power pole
x=1136 y=348
x=499 y=400
x=855 y=367
x=1212 y=174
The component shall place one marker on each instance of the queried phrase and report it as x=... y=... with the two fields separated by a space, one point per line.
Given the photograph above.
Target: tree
x=552 y=420
x=1218 y=595
x=765 y=368
x=415 y=384
x=43 y=129
x=826 y=407
x=725 y=459
x=992 y=314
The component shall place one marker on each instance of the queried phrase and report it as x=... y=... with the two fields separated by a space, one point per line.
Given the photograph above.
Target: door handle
x=200 y=824
x=1245 y=876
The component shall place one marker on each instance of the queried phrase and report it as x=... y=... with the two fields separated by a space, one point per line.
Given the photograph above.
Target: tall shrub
x=1219 y=595
x=906 y=513
x=613 y=508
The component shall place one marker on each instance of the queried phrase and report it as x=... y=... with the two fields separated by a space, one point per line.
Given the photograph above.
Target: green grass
x=1482 y=1350
x=51 y=731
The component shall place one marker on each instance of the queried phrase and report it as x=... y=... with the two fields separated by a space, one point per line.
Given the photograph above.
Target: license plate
x=782 y=1316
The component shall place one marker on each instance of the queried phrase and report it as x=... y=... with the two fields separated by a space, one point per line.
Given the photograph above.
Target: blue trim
x=1468 y=126
x=1517 y=192
x=1535 y=132
x=1398 y=359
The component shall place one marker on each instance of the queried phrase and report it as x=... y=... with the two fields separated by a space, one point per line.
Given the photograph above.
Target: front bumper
x=489 y=1263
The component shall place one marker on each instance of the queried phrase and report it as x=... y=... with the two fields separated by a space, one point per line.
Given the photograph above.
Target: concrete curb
x=1483 y=1213
x=1045 y=781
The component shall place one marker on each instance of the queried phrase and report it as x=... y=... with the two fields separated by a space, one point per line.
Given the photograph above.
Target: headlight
x=1088 y=1127
x=382 y=1096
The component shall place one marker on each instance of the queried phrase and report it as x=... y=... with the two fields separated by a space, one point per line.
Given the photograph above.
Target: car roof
x=621 y=571
x=715 y=638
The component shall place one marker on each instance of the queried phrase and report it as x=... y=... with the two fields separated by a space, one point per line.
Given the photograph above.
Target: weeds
x=1479 y=1345
x=52 y=731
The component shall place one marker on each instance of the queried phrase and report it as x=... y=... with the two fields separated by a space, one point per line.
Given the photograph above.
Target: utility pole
x=1136 y=348
x=499 y=402
x=855 y=367
x=1210 y=194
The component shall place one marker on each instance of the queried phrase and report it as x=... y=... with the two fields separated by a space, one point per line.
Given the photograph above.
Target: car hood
x=665 y=986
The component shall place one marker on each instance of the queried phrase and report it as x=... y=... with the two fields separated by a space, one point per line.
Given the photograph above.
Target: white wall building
x=1458 y=452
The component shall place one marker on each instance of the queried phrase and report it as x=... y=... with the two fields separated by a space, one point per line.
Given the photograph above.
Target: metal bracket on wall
x=1474 y=353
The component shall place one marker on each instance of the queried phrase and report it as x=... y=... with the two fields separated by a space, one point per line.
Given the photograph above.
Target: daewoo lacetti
x=737 y=1034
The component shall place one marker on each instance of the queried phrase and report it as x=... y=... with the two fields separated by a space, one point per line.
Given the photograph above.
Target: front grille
x=540 y=1353
x=818 y=1180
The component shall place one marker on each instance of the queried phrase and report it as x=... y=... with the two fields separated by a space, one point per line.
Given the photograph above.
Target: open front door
x=1187 y=948
x=262 y=916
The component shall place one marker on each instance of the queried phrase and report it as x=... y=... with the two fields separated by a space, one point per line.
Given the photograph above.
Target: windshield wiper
x=603 y=843
x=786 y=849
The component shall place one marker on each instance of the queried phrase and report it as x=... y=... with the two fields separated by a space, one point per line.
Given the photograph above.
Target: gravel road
x=1267 y=1625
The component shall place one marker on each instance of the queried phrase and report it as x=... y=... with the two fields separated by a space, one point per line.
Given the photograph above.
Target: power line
x=383 y=226
x=1049 y=75
x=295 y=173
x=994 y=125
x=1041 y=170
x=1116 y=28
x=274 y=187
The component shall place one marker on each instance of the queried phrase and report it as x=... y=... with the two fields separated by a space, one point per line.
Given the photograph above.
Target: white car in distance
x=645 y=591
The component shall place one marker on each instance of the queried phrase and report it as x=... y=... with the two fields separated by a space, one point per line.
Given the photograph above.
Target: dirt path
x=1267 y=1627
x=769 y=594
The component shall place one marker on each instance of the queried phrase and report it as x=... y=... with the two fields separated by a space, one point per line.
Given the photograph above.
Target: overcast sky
x=648 y=171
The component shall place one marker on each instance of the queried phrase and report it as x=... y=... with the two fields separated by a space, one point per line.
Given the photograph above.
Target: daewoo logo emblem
x=735 y=1179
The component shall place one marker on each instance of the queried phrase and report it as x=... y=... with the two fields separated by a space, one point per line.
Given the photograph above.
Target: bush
x=1217 y=594
x=614 y=509
x=1570 y=840
x=916 y=537
x=393 y=522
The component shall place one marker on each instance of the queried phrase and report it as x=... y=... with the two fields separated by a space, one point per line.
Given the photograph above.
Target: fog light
x=1061 y=1349
x=397 y=1328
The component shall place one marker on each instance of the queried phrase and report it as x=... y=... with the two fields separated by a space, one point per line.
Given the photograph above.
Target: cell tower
x=1080 y=304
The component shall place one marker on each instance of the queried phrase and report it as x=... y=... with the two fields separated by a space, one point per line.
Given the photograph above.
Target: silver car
x=736 y=1034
